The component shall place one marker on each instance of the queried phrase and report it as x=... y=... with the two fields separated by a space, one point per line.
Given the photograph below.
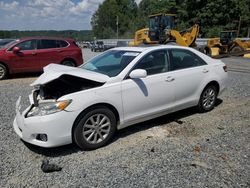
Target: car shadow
x=24 y=75
x=53 y=152
x=162 y=120
x=73 y=148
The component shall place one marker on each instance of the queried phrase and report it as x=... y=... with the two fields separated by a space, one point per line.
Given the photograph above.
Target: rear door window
x=47 y=43
x=181 y=59
x=62 y=44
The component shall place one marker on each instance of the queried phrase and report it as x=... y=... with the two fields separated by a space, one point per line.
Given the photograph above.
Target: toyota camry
x=86 y=105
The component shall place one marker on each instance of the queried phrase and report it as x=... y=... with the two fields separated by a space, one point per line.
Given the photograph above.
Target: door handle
x=59 y=51
x=205 y=71
x=33 y=53
x=169 y=79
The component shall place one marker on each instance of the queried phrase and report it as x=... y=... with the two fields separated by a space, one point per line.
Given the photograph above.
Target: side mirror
x=138 y=73
x=16 y=50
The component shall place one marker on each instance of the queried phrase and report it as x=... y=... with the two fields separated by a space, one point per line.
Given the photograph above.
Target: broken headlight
x=47 y=108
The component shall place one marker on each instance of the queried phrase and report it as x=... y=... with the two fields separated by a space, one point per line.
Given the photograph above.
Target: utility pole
x=238 y=32
x=117 y=26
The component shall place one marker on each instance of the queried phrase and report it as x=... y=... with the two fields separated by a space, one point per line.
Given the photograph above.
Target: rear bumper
x=223 y=85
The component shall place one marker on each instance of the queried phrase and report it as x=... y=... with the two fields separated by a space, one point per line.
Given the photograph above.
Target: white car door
x=189 y=72
x=150 y=95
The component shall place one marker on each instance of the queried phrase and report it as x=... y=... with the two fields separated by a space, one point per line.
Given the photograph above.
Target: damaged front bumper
x=45 y=131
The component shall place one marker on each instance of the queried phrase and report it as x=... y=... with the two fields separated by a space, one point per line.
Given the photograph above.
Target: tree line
x=213 y=16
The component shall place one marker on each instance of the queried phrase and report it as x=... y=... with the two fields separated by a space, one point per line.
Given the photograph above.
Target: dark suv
x=32 y=54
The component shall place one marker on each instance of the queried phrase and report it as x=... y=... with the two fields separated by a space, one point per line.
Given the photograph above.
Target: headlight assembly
x=47 y=108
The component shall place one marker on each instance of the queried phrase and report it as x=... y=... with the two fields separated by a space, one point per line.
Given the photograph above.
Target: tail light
x=225 y=68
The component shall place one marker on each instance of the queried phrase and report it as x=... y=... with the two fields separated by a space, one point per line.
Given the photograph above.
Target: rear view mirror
x=138 y=73
x=16 y=50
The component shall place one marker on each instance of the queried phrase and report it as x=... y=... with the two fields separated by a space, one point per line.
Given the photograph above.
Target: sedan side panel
x=147 y=96
x=187 y=83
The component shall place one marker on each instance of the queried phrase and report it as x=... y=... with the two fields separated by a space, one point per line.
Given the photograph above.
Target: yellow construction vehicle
x=183 y=38
x=157 y=24
x=227 y=44
x=161 y=31
x=141 y=37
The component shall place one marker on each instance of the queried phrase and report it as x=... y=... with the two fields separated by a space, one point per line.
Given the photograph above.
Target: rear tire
x=3 y=72
x=95 y=128
x=207 y=99
x=68 y=63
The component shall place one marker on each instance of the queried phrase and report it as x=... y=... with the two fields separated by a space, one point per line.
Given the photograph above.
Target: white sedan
x=118 y=88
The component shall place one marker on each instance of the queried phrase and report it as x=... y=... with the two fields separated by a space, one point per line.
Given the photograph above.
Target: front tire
x=207 y=99
x=3 y=72
x=95 y=128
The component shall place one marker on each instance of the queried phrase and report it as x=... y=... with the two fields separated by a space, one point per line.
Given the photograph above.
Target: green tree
x=104 y=20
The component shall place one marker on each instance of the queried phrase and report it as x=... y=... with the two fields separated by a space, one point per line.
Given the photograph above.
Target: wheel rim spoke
x=101 y=136
x=103 y=119
x=92 y=120
x=105 y=125
x=95 y=138
x=1 y=72
x=89 y=126
x=104 y=130
x=88 y=131
x=90 y=136
x=98 y=119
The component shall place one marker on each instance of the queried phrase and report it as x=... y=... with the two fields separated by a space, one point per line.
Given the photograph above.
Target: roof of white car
x=147 y=48
x=157 y=47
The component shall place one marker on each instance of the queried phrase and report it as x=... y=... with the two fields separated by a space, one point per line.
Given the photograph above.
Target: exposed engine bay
x=63 y=85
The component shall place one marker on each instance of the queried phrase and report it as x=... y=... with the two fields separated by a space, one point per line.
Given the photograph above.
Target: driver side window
x=154 y=63
x=26 y=45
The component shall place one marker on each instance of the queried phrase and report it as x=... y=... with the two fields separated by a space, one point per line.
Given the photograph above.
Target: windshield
x=9 y=44
x=168 y=22
x=228 y=35
x=154 y=23
x=110 y=63
x=161 y=22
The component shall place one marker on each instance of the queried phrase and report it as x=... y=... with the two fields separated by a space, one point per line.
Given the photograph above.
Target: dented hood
x=54 y=71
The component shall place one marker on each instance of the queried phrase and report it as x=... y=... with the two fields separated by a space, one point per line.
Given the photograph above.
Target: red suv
x=32 y=54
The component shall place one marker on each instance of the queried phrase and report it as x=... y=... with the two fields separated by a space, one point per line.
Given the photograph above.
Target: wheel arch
x=214 y=83
x=107 y=105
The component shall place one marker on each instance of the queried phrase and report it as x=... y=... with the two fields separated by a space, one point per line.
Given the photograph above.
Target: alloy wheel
x=2 y=72
x=96 y=128
x=208 y=98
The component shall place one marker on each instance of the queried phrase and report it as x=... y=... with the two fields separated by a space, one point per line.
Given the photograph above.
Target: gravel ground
x=183 y=149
